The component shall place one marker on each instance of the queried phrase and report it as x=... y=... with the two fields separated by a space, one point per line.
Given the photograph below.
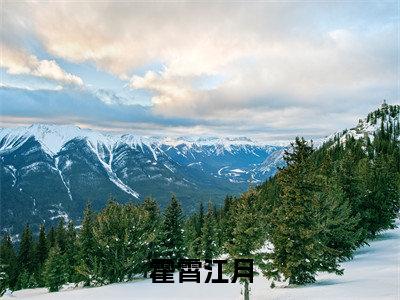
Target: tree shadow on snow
x=386 y=236
x=326 y=282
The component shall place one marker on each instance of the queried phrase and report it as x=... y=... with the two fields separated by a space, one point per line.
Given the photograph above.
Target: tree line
x=308 y=218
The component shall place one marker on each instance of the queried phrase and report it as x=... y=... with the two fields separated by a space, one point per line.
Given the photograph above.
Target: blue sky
x=271 y=70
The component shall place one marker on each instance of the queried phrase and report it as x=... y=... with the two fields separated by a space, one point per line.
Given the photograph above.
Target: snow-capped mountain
x=51 y=171
x=386 y=116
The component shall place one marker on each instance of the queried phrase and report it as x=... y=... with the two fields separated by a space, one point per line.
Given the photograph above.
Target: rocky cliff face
x=50 y=171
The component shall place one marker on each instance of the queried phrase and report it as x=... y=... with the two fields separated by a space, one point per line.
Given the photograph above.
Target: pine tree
x=9 y=263
x=71 y=251
x=41 y=247
x=200 y=219
x=298 y=231
x=380 y=199
x=87 y=246
x=294 y=231
x=171 y=243
x=55 y=270
x=51 y=238
x=208 y=236
x=197 y=244
x=41 y=253
x=151 y=206
x=340 y=232
x=61 y=235
x=4 y=279
x=313 y=225
x=121 y=234
x=218 y=230
x=247 y=234
x=227 y=222
x=25 y=280
x=193 y=233
x=26 y=257
x=348 y=177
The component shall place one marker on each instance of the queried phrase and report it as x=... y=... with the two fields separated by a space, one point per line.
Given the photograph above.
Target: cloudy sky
x=264 y=69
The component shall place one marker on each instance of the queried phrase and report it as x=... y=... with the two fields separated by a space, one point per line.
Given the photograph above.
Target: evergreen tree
x=190 y=236
x=61 y=235
x=9 y=263
x=339 y=228
x=121 y=234
x=208 y=236
x=305 y=215
x=348 y=177
x=41 y=253
x=51 y=238
x=26 y=257
x=87 y=246
x=55 y=270
x=153 y=225
x=199 y=220
x=227 y=222
x=218 y=230
x=4 y=280
x=26 y=280
x=247 y=234
x=41 y=247
x=71 y=252
x=193 y=233
x=294 y=231
x=380 y=199
x=171 y=243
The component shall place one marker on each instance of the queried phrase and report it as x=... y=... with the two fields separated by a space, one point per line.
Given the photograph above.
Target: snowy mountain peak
x=53 y=137
x=210 y=141
x=75 y=164
x=386 y=115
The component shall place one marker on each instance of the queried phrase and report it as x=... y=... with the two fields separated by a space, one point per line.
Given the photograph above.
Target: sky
x=262 y=69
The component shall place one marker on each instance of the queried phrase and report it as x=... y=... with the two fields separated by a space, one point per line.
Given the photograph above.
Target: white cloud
x=281 y=65
x=18 y=62
x=294 y=73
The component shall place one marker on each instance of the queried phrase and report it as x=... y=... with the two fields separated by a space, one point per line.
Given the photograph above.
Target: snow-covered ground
x=373 y=274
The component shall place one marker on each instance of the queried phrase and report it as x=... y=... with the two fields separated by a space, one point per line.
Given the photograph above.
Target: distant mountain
x=51 y=171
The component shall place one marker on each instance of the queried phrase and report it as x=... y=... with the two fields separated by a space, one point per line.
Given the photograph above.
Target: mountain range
x=52 y=171
x=49 y=172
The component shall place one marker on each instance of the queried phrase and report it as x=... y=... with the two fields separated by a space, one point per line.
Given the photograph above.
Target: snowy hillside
x=385 y=116
x=373 y=274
